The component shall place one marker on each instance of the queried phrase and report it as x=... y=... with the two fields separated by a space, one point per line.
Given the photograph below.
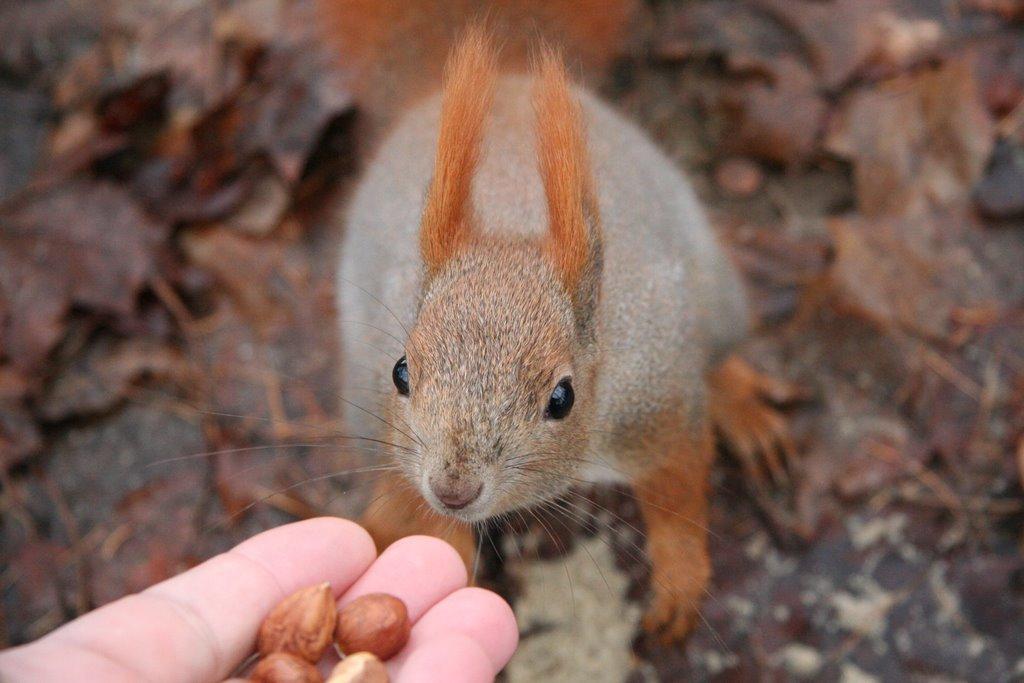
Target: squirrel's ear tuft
x=465 y=101
x=574 y=239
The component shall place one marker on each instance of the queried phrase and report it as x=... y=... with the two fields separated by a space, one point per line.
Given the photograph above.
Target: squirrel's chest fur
x=670 y=300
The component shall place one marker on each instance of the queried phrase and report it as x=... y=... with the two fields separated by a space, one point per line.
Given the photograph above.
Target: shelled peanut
x=301 y=624
x=359 y=667
x=295 y=635
x=377 y=623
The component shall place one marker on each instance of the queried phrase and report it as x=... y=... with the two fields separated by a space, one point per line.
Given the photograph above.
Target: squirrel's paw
x=676 y=593
x=667 y=620
x=755 y=431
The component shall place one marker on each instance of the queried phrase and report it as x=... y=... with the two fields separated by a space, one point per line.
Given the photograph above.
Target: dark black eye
x=561 y=400
x=400 y=376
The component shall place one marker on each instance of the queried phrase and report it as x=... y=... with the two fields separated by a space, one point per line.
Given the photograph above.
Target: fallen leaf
x=103 y=375
x=19 y=435
x=85 y=243
x=23 y=116
x=779 y=120
x=38 y=38
x=991 y=598
x=287 y=107
x=732 y=30
x=916 y=140
x=264 y=205
x=845 y=38
x=909 y=272
x=177 y=39
x=247 y=269
x=1008 y=9
x=1020 y=459
x=1000 y=194
x=138 y=102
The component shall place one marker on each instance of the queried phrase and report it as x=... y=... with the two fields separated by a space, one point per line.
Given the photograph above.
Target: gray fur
x=670 y=304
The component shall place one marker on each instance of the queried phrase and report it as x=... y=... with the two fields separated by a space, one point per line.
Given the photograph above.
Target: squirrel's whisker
x=265 y=447
x=373 y=297
x=674 y=512
x=561 y=551
x=378 y=417
x=384 y=352
x=637 y=554
x=286 y=489
x=597 y=566
x=648 y=493
x=400 y=342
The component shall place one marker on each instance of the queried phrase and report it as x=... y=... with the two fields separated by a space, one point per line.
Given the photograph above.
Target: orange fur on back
x=466 y=99
x=393 y=50
x=564 y=169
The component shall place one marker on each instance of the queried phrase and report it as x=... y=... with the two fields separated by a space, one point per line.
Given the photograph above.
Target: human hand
x=200 y=625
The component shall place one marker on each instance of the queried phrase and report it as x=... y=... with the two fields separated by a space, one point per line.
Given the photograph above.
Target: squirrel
x=564 y=314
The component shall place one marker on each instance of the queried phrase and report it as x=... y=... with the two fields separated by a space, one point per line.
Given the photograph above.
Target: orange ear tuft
x=466 y=99
x=565 y=172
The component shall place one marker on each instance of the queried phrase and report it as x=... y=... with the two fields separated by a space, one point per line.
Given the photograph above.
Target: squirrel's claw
x=666 y=621
x=679 y=578
x=742 y=406
x=672 y=613
x=754 y=431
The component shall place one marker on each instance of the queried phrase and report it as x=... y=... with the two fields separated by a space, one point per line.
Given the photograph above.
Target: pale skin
x=199 y=625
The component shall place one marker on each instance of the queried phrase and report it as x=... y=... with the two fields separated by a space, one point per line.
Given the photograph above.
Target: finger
x=199 y=625
x=420 y=570
x=475 y=613
x=453 y=658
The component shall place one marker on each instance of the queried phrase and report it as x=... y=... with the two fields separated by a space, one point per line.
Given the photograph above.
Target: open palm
x=199 y=625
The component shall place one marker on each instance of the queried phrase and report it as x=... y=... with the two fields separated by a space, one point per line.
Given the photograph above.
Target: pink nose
x=456 y=494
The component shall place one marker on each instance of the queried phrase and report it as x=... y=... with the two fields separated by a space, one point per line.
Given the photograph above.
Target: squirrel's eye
x=400 y=376
x=561 y=400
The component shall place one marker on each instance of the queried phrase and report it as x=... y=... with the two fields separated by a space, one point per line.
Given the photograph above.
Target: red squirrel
x=562 y=313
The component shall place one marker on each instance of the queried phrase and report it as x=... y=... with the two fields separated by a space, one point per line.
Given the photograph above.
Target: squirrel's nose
x=456 y=494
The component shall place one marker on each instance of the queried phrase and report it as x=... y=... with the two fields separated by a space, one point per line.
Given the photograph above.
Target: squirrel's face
x=496 y=384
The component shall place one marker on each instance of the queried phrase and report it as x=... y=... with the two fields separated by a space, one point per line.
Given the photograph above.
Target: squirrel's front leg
x=397 y=510
x=673 y=500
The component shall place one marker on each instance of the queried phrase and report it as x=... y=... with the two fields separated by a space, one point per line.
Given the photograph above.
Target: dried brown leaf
x=103 y=375
x=84 y=243
x=780 y=120
x=911 y=273
x=917 y=140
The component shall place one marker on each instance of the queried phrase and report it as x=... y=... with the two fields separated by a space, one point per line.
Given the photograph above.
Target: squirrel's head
x=498 y=380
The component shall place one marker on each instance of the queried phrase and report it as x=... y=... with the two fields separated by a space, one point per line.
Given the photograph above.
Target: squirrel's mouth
x=471 y=512
x=467 y=501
